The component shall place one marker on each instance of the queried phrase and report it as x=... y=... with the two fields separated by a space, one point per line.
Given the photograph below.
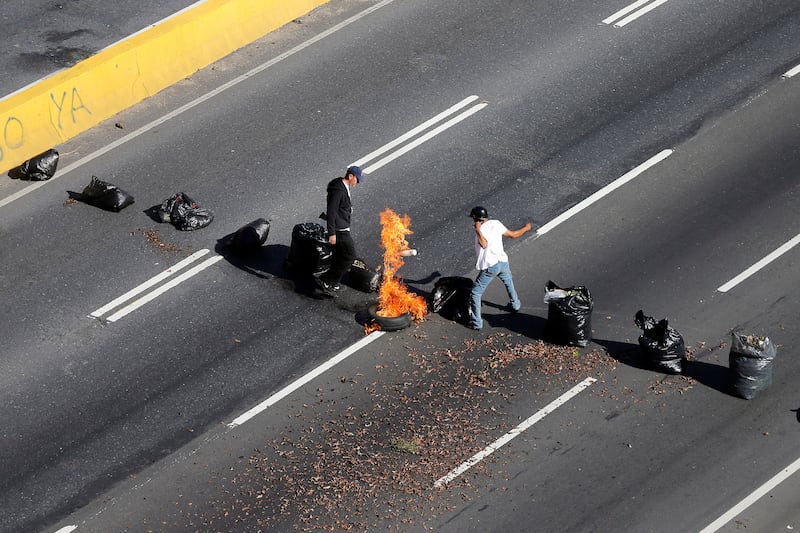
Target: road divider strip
x=419 y=129
x=791 y=72
x=194 y=103
x=299 y=382
x=61 y=106
x=514 y=433
x=98 y=314
x=761 y=264
x=633 y=12
x=756 y=495
x=617 y=183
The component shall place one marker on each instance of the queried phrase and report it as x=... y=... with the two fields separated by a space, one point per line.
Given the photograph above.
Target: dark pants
x=344 y=251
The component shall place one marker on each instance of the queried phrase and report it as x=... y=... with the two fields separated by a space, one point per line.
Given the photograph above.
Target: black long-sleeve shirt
x=339 y=207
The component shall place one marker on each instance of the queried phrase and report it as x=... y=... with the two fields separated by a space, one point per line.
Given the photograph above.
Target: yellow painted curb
x=76 y=99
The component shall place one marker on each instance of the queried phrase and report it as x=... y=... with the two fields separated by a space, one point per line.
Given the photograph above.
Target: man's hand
x=481 y=239
x=332 y=239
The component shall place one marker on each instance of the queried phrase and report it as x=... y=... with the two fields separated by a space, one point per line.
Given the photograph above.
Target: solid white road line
x=752 y=498
x=163 y=288
x=792 y=72
x=624 y=11
x=761 y=264
x=411 y=133
x=619 y=182
x=635 y=15
x=434 y=132
x=299 y=382
x=197 y=101
x=67 y=529
x=496 y=445
x=147 y=284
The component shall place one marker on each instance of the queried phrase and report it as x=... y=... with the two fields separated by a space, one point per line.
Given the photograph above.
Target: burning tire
x=389 y=323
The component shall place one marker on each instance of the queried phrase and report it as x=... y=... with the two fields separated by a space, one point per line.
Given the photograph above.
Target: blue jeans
x=499 y=270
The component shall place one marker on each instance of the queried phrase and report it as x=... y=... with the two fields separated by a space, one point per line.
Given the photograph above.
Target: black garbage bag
x=662 y=347
x=362 y=278
x=450 y=298
x=184 y=213
x=40 y=168
x=750 y=364
x=251 y=236
x=105 y=195
x=310 y=251
x=569 y=315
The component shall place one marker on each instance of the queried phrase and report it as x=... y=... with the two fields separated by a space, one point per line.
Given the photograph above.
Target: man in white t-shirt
x=492 y=261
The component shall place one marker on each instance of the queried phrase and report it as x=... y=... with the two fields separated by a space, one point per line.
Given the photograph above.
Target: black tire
x=389 y=323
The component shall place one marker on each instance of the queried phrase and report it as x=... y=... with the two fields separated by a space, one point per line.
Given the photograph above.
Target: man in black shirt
x=339 y=209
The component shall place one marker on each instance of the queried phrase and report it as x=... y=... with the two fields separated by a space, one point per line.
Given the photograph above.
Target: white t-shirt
x=492 y=231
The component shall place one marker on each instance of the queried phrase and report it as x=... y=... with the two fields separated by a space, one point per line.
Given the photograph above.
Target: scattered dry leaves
x=156 y=241
x=370 y=468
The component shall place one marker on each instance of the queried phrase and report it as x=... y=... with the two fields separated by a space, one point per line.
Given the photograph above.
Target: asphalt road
x=573 y=104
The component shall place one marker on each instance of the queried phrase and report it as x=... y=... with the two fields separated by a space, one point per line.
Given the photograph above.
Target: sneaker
x=327 y=287
x=473 y=326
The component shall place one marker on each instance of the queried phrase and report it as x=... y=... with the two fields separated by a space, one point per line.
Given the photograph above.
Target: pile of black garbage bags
x=310 y=254
x=749 y=360
x=569 y=312
x=180 y=210
x=661 y=347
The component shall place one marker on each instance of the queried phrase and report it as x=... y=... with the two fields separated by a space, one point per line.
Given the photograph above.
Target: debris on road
x=372 y=464
x=155 y=239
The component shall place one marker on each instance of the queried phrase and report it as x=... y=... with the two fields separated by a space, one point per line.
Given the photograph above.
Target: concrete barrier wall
x=70 y=102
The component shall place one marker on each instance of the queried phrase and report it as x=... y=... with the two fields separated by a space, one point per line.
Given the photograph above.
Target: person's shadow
x=531 y=326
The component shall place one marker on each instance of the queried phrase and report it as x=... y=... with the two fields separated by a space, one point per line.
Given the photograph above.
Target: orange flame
x=394 y=299
x=369 y=327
